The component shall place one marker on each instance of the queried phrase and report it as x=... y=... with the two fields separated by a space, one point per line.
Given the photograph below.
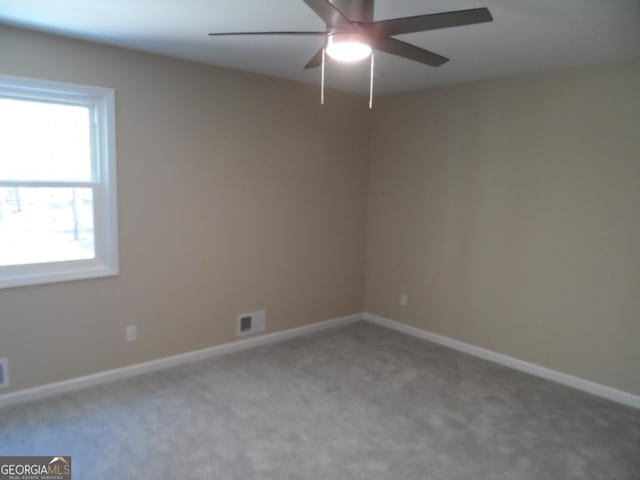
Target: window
x=57 y=182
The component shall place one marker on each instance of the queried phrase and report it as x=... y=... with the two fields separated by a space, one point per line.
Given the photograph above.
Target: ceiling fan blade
x=229 y=34
x=422 y=23
x=329 y=14
x=408 y=51
x=315 y=61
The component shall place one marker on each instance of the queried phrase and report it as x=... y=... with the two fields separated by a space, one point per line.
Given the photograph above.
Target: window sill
x=54 y=273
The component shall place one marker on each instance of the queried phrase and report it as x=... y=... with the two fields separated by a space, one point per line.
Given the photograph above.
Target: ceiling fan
x=352 y=34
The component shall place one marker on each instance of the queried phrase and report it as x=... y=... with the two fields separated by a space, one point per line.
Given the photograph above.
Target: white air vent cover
x=252 y=322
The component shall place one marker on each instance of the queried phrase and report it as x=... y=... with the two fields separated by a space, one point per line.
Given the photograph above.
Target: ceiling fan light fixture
x=346 y=47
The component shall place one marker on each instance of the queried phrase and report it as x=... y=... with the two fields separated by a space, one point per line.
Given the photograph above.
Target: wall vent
x=4 y=373
x=252 y=322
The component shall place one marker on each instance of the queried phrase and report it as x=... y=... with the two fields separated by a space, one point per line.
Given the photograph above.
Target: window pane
x=44 y=141
x=39 y=225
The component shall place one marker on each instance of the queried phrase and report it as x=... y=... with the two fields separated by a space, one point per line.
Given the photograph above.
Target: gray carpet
x=359 y=402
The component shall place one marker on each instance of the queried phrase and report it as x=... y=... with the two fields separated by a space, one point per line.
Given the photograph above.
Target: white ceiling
x=526 y=35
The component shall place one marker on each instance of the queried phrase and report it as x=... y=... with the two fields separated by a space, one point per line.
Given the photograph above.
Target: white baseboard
x=554 y=375
x=78 y=383
x=57 y=388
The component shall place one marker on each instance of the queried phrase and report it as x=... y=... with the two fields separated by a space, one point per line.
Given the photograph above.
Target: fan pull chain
x=371 y=84
x=322 y=81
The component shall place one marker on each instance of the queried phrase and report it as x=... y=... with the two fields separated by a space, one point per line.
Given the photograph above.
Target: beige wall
x=236 y=192
x=509 y=212
x=506 y=209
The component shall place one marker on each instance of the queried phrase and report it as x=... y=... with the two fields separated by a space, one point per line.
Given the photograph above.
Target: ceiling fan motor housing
x=355 y=10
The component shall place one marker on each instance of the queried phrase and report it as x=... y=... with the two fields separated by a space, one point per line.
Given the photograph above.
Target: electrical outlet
x=132 y=333
x=404 y=300
x=252 y=322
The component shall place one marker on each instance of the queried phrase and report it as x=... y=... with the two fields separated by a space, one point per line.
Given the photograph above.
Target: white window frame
x=101 y=104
